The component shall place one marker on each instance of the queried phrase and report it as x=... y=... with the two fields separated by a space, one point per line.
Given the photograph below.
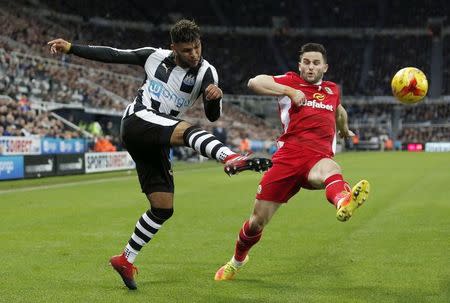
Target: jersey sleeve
x=112 y=55
x=213 y=108
x=285 y=79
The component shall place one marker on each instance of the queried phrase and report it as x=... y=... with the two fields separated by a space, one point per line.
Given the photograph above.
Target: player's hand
x=346 y=133
x=59 y=46
x=213 y=92
x=297 y=97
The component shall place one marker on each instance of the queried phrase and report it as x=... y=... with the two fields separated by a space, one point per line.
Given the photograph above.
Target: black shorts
x=146 y=135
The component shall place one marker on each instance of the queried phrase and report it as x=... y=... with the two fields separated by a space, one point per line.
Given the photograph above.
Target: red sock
x=247 y=238
x=336 y=188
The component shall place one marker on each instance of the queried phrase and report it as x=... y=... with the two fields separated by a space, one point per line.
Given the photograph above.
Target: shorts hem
x=271 y=200
x=160 y=189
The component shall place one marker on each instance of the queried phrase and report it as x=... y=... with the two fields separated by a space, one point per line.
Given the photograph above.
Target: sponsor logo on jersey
x=318 y=105
x=161 y=93
x=189 y=80
x=319 y=96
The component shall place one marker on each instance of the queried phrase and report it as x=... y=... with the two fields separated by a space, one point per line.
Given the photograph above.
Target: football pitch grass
x=57 y=235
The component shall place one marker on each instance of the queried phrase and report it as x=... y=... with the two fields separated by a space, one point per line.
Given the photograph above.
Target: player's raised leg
x=209 y=146
x=327 y=173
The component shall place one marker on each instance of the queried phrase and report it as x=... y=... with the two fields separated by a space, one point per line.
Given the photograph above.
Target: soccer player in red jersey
x=310 y=112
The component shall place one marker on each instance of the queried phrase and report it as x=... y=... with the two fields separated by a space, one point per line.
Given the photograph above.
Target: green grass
x=57 y=235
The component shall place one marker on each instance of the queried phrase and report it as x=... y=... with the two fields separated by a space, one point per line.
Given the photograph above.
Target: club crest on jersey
x=319 y=96
x=328 y=90
x=259 y=190
x=189 y=80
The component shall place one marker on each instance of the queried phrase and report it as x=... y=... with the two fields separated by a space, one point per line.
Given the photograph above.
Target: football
x=409 y=85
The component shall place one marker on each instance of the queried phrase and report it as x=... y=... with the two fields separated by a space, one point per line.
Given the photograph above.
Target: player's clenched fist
x=59 y=46
x=297 y=97
x=213 y=92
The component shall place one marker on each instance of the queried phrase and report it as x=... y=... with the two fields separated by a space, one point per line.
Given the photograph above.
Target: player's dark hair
x=314 y=47
x=184 y=31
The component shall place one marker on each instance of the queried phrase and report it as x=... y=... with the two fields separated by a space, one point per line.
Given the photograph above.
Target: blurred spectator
x=220 y=132
x=103 y=144
x=95 y=128
x=389 y=144
x=244 y=145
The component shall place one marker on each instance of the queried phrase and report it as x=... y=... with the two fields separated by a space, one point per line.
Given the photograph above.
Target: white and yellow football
x=409 y=85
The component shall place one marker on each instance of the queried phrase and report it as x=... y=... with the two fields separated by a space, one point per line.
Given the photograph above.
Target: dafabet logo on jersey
x=319 y=96
x=316 y=104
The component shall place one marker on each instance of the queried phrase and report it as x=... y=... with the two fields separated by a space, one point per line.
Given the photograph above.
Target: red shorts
x=288 y=174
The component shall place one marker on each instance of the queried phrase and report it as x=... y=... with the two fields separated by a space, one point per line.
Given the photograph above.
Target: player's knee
x=162 y=213
x=320 y=172
x=179 y=133
x=335 y=169
x=332 y=170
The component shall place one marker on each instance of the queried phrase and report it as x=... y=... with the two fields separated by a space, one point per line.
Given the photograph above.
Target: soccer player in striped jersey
x=310 y=112
x=174 y=80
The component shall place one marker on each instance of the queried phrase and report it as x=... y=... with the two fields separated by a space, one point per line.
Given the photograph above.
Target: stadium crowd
x=43 y=80
x=239 y=60
x=366 y=113
x=336 y=14
x=29 y=72
x=18 y=119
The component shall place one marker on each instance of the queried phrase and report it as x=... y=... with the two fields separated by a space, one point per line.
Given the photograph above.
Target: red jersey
x=311 y=125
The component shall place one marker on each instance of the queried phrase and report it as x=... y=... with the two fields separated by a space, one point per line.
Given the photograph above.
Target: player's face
x=312 y=67
x=187 y=54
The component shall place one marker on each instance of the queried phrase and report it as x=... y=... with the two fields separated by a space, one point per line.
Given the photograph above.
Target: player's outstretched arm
x=342 y=122
x=266 y=85
x=102 y=53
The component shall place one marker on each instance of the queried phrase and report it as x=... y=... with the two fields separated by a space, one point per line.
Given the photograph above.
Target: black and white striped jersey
x=167 y=88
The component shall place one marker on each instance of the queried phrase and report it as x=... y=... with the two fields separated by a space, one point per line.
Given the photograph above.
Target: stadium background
x=60 y=115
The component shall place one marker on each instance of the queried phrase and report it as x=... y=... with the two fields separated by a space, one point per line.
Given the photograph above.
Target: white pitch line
x=41 y=187
x=86 y=182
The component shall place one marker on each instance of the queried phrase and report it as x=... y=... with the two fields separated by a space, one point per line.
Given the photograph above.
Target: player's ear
x=299 y=65
x=325 y=68
x=172 y=46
